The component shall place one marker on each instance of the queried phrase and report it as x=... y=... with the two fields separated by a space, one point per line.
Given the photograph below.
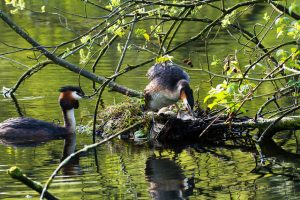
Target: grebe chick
x=25 y=130
x=168 y=84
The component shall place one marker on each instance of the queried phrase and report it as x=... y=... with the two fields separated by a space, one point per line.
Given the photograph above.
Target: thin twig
x=126 y=46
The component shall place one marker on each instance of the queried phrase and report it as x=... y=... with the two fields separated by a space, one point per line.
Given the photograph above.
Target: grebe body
x=168 y=84
x=23 y=129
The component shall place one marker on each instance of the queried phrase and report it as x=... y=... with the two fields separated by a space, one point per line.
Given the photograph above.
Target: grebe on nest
x=168 y=84
x=25 y=130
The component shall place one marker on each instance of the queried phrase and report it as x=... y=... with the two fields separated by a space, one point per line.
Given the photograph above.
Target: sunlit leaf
x=14 y=11
x=6 y=92
x=280 y=52
x=266 y=17
x=119 y=48
x=43 y=9
x=109 y=7
x=210 y=106
x=206 y=98
x=292 y=7
x=115 y=3
x=120 y=32
x=215 y=61
x=164 y=59
x=278 y=21
x=84 y=58
x=85 y=39
x=139 y=31
x=146 y=36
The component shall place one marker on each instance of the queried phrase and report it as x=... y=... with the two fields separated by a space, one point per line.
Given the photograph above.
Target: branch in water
x=17 y=174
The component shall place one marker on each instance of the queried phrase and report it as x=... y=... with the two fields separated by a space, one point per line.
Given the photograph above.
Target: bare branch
x=114 y=86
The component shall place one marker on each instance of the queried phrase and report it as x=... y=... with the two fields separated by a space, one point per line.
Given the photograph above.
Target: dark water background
x=125 y=170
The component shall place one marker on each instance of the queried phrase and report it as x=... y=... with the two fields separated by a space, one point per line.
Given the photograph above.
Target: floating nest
x=115 y=118
x=167 y=128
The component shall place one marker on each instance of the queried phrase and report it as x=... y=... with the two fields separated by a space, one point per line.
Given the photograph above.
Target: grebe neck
x=69 y=120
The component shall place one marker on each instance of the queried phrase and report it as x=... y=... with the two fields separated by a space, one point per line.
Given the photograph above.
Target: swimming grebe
x=168 y=84
x=25 y=130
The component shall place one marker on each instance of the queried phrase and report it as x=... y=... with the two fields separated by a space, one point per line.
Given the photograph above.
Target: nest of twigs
x=115 y=118
x=166 y=128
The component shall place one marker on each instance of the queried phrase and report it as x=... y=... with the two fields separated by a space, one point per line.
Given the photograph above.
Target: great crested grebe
x=168 y=84
x=33 y=130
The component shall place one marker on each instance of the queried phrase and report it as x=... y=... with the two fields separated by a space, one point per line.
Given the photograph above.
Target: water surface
x=121 y=170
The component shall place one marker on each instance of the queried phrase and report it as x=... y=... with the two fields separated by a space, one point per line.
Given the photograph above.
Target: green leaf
x=206 y=98
x=140 y=134
x=164 y=58
x=43 y=9
x=210 y=106
x=292 y=7
x=115 y=3
x=280 y=53
x=278 y=21
x=215 y=61
x=84 y=58
x=232 y=88
x=85 y=39
x=146 y=36
x=266 y=17
x=119 y=48
x=120 y=32
x=140 y=32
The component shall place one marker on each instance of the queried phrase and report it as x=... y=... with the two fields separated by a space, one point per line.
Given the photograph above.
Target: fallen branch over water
x=167 y=128
x=59 y=61
x=17 y=174
x=170 y=128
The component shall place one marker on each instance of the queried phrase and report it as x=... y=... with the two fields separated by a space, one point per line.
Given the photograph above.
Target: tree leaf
x=146 y=36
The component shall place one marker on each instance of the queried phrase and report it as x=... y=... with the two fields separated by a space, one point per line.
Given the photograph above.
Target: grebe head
x=186 y=95
x=69 y=96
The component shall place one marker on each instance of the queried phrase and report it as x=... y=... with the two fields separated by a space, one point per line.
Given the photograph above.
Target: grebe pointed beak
x=77 y=95
x=86 y=97
x=187 y=105
x=188 y=100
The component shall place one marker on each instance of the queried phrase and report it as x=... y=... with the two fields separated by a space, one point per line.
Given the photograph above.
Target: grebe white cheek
x=75 y=95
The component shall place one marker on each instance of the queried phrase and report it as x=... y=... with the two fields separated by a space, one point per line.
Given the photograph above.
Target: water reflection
x=271 y=149
x=167 y=180
x=69 y=147
x=278 y=172
x=18 y=108
x=72 y=167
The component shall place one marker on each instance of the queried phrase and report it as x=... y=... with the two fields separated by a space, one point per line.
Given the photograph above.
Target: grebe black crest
x=168 y=84
x=69 y=96
x=27 y=130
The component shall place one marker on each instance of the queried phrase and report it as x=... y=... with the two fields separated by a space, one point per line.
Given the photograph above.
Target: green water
x=120 y=170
